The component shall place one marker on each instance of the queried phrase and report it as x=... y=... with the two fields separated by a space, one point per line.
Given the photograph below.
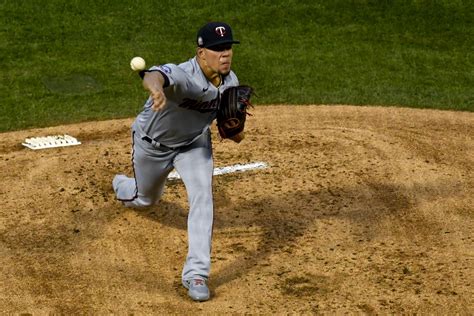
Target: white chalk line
x=229 y=169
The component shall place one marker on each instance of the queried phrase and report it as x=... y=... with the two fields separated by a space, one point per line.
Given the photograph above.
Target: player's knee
x=146 y=202
x=140 y=202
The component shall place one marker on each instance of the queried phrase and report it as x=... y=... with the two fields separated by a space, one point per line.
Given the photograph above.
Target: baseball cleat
x=197 y=289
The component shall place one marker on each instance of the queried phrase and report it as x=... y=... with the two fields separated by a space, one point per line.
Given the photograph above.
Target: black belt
x=148 y=139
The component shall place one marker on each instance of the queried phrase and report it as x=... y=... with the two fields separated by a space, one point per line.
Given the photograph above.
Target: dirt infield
x=363 y=209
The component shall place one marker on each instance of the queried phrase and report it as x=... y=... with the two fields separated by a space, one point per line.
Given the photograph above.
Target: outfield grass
x=68 y=61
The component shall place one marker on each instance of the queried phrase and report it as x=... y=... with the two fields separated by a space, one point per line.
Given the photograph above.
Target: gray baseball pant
x=194 y=164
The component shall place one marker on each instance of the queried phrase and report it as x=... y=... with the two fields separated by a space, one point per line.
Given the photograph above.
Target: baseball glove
x=232 y=110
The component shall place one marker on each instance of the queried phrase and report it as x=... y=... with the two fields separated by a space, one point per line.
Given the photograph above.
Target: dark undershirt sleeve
x=167 y=80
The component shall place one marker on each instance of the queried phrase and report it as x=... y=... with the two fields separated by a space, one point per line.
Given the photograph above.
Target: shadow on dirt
x=272 y=225
x=167 y=213
x=282 y=219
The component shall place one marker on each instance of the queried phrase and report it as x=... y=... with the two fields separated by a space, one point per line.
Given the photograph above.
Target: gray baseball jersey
x=191 y=105
x=178 y=136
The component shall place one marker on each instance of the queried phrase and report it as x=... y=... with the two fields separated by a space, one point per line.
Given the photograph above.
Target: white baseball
x=137 y=63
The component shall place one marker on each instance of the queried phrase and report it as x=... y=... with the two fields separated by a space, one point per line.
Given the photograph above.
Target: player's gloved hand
x=238 y=138
x=232 y=112
x=159 y=99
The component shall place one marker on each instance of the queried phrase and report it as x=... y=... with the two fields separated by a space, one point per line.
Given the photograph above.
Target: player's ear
x=200 y=52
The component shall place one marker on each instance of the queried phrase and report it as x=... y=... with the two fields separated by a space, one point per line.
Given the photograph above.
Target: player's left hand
x=238 y=138
x=232 y=112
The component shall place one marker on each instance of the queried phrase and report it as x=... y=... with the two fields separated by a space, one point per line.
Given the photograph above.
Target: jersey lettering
x=201 y=106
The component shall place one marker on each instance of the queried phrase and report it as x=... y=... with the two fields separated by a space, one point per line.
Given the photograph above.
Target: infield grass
x=68 y=61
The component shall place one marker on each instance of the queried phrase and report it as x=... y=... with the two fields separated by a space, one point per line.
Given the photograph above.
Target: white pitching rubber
x=229 y=169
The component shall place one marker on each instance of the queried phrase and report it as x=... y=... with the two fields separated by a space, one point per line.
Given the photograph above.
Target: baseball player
x=173 y=132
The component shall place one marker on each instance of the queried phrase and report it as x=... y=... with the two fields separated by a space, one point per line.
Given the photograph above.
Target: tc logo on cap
x=220 y=30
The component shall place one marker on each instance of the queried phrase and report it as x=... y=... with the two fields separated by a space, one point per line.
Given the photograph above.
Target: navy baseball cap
x=215 y=33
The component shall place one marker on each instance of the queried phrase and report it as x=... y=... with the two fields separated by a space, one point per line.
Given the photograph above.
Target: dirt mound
x=361 y=210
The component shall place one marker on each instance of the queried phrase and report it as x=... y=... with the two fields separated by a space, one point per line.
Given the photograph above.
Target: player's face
x=219 y=58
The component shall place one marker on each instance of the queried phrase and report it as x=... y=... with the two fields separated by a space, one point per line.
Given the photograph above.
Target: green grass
x=68 y=61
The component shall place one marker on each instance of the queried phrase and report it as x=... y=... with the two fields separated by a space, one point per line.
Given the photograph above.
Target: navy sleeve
x=167 y=80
